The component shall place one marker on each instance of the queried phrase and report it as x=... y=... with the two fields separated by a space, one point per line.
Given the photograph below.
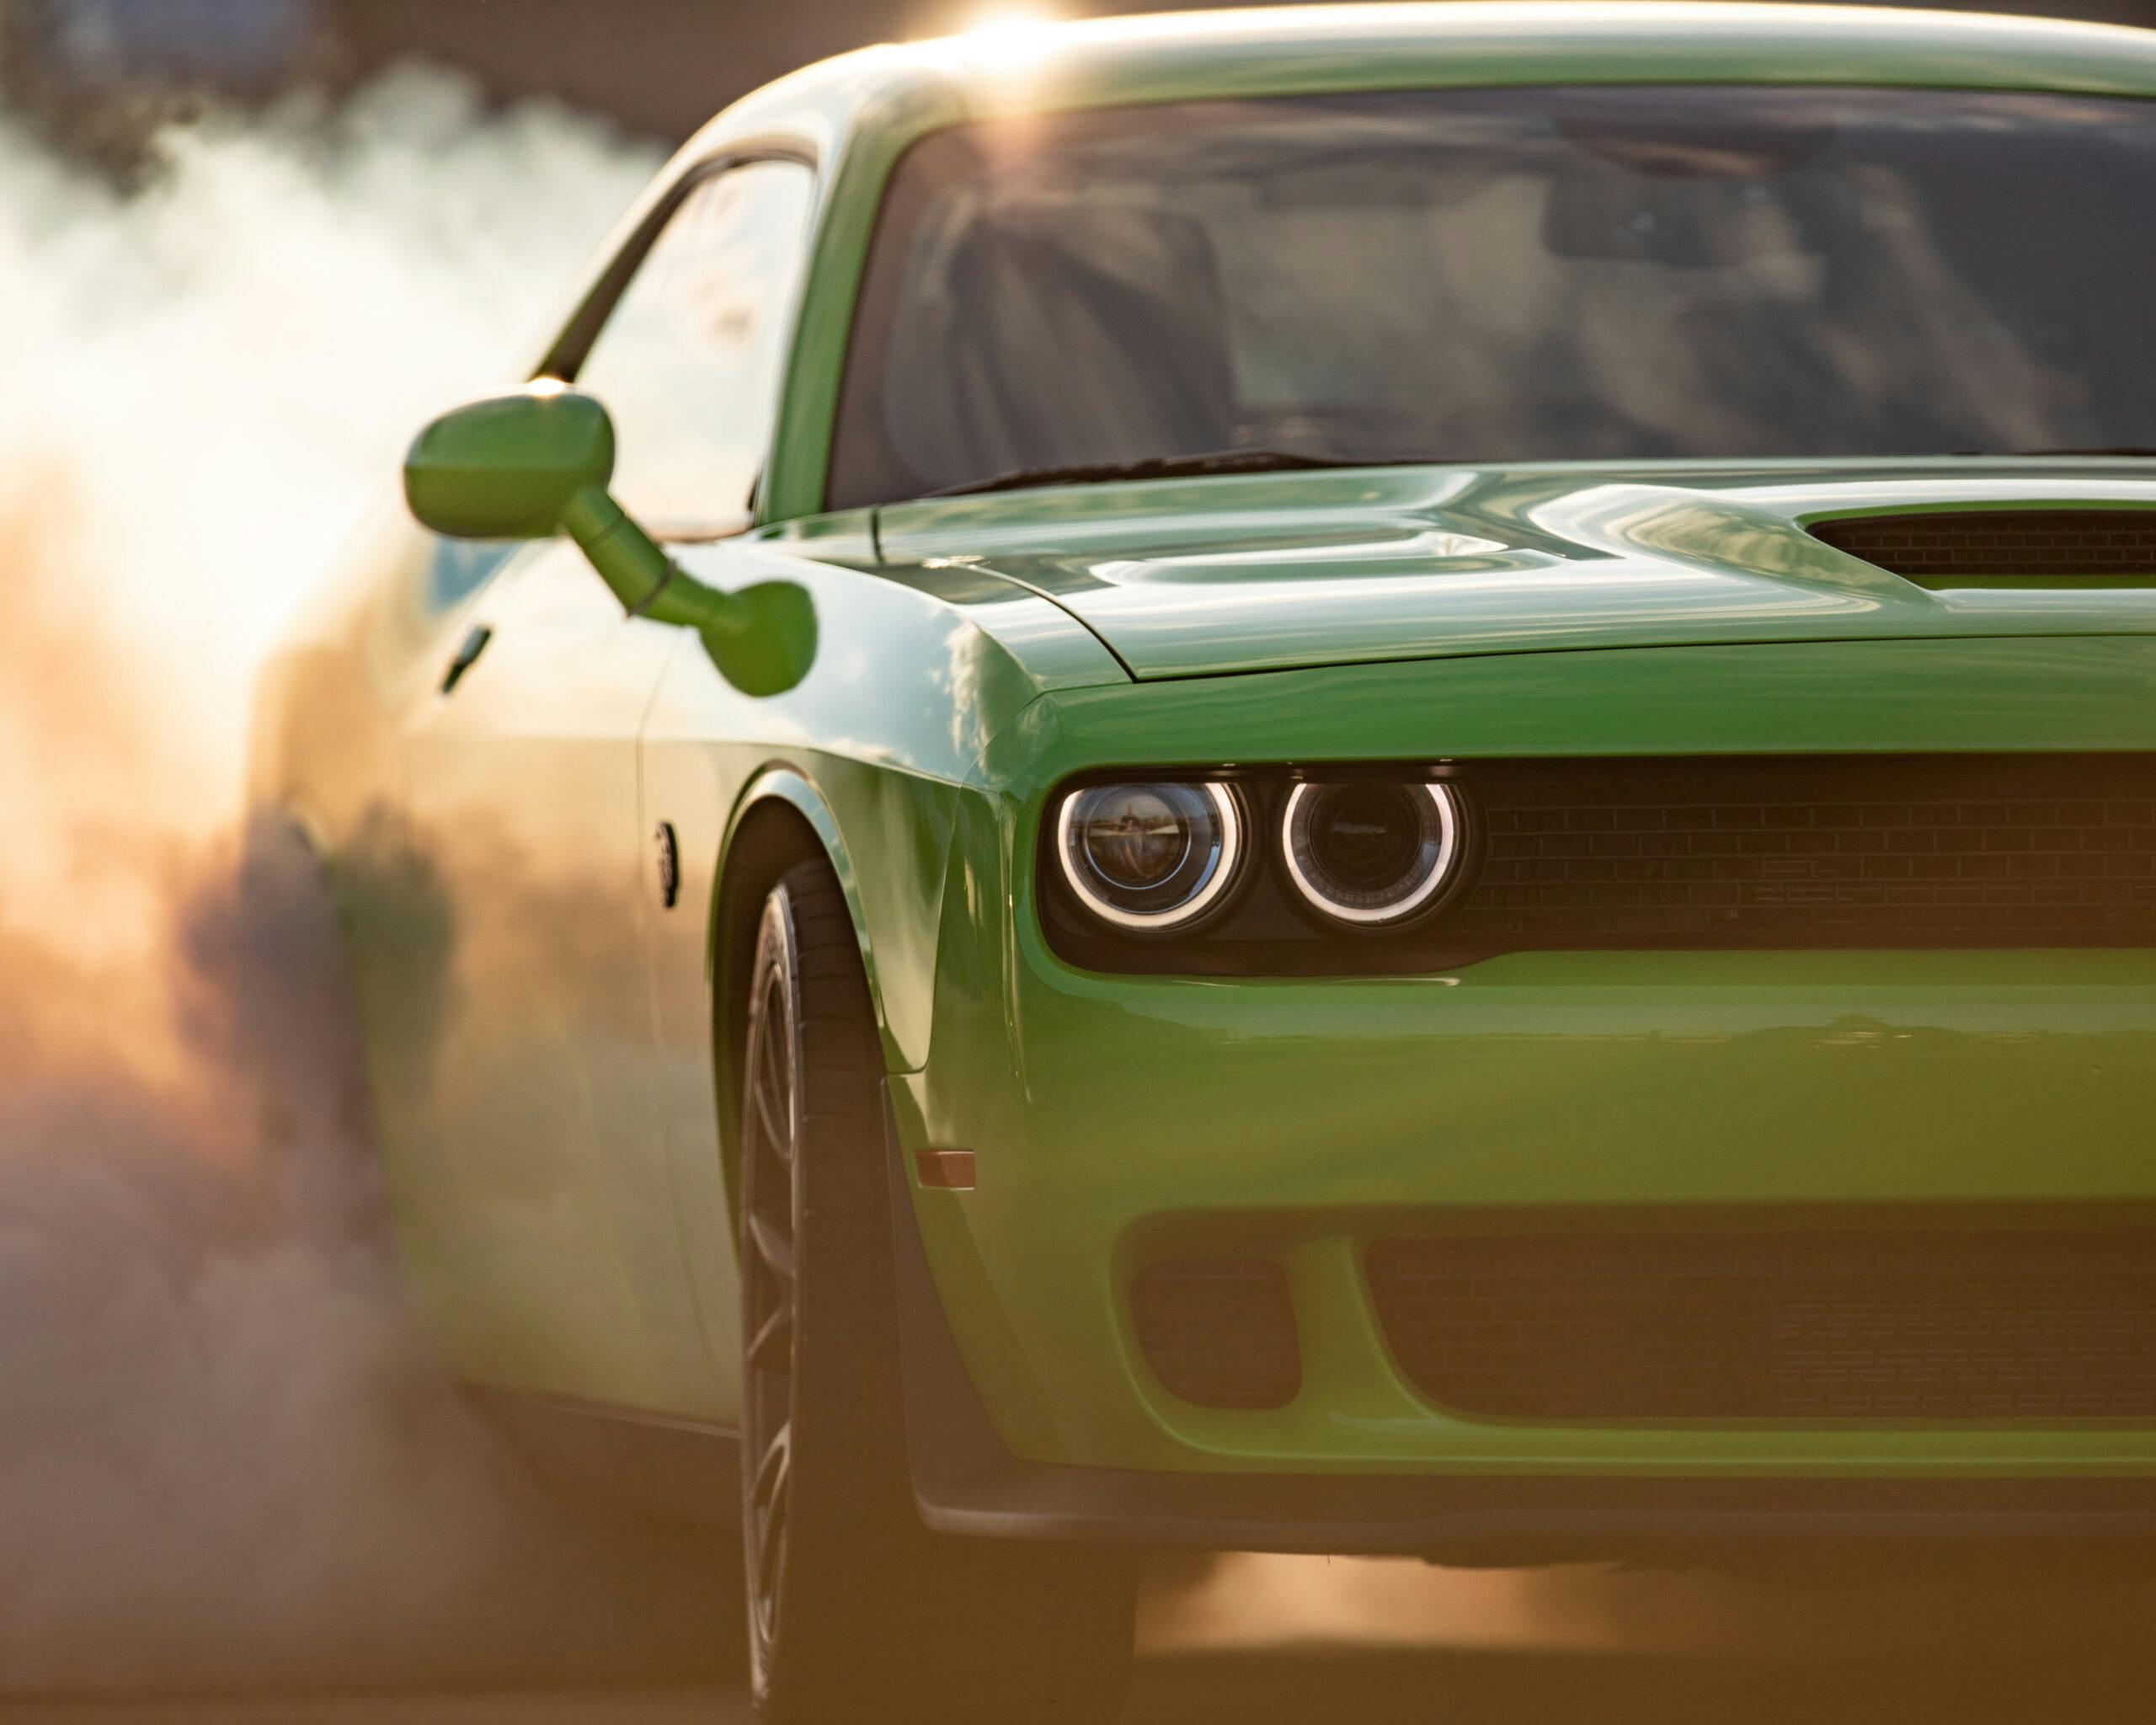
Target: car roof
x=1683 y=38
x=1281 y=49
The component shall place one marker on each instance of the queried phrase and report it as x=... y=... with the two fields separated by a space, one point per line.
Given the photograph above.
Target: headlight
x=1150 y=855
x=1368 y=851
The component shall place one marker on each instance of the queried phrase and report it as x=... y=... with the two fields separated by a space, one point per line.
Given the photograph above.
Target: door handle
x=468 y=656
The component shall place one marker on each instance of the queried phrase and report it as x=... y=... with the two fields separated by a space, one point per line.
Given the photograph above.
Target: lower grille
x=1925 y=1325
x=1220 y=1332
x=1822 y=851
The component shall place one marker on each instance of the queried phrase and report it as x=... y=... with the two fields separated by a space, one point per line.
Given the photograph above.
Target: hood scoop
x=1352 y=566
x=1945 y=549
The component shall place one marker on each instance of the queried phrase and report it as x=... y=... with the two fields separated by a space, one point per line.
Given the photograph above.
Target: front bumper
x=1301 y=1122
x=1117 y=1120
x=966 y=1481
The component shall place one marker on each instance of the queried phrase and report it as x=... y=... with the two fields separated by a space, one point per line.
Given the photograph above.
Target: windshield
x=1509 y=275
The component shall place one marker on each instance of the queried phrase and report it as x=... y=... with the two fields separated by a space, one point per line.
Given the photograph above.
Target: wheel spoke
x=768 y=1497
x=771 y=1555
x=768 y=1517
x=771 y=1113
x=775 y=1335
x=760 y=1114
x=772 y=1246
x=772 y=1090
x=768 y=1069
x=770 y=1483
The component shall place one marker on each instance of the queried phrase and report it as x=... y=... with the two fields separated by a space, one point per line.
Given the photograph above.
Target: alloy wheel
x=770 y=1131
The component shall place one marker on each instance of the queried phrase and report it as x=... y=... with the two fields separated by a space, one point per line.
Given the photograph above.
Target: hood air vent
x=2005 y=548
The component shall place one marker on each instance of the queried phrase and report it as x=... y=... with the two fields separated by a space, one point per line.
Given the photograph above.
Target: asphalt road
x=1323 y=1686
x=1301 y=1641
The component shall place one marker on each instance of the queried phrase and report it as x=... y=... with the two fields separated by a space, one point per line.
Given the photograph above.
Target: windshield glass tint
x=1509 y=275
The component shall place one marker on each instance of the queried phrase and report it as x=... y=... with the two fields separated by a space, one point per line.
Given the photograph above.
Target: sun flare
x=1010 y=36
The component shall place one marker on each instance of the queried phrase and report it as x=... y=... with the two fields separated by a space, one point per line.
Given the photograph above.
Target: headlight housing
x=1345 y=869
x=1371 y=852
x=1151 y=856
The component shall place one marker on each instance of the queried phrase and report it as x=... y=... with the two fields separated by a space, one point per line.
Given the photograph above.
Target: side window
x=688 y=362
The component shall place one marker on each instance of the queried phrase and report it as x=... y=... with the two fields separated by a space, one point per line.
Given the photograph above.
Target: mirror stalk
x=762 y=639
x=628 y=560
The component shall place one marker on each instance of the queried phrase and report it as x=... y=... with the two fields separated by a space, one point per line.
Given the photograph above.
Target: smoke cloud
x=226 y=1457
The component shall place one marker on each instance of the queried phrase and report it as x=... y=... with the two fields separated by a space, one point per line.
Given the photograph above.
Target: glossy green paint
x=914 y=680
x=510 y=466
x=1196 y=578
x=1118 y=1118
x=541 y=1026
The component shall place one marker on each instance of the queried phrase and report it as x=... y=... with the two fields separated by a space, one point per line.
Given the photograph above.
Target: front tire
x=854 y=1609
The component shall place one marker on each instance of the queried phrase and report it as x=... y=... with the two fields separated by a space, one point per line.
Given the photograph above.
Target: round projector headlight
x=1149 y=855
x=1368 y=851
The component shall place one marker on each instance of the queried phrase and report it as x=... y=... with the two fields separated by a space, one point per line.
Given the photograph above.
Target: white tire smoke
x=226 y=1455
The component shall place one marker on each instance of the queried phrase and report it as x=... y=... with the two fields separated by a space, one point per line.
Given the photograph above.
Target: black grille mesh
x=1788 y=1325
x=1847 y=851
x=1950 y=548
x=1220 y=1332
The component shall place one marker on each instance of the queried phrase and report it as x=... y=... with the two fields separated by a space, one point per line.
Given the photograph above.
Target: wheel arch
x=780 y=818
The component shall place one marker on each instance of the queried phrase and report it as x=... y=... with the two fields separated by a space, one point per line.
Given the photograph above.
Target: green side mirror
x=535 y=463
x=507 y=467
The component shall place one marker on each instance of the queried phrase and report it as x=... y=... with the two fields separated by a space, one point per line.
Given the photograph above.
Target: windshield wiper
x=1159 y=466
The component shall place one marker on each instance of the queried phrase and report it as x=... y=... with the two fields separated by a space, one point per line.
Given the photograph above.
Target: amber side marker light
x=946 y=1170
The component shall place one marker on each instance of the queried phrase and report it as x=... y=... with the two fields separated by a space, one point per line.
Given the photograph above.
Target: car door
x=554 y=1245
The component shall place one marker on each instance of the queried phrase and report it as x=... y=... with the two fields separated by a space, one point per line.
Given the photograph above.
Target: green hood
x=1201 y=577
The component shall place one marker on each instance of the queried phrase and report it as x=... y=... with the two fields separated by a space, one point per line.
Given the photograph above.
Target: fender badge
x=669 y=864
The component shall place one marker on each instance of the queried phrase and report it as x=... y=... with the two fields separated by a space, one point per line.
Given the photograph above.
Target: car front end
x=1591 y=984
x=1748 y=1133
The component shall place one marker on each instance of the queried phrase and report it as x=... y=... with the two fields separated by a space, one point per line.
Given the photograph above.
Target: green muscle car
x=1376 y=779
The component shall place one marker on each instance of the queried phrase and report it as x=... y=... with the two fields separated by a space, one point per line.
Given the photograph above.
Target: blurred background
x=246 y=246
x=99 y=74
